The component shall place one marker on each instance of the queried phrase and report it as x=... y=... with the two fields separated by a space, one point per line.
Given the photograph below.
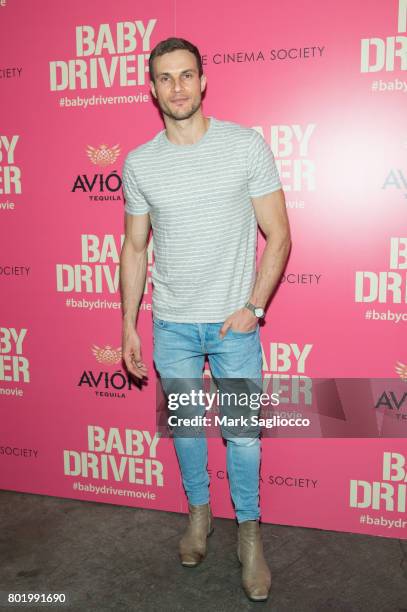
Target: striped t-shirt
x=202 y=218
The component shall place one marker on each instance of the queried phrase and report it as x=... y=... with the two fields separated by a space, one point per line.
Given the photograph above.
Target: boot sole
x=186 y=564
x=249 y=596
x=256 y=598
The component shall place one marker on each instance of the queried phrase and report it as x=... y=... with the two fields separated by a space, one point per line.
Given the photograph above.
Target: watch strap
x=253 y=309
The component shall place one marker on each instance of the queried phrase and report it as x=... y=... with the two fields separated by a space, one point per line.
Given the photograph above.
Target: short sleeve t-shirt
x=202 y=218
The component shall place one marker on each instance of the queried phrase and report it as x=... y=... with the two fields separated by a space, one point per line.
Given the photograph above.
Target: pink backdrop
x=326 y=85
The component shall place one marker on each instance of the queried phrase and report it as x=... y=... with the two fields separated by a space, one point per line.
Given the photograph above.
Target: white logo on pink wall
x=385 y=286
x=290 y=145
x=14 y=366
x=126 y=456
x=10 y=172
x=388 y=53
x=99 y=269
x=125 y=47
x=284 y=372
x=387 y=494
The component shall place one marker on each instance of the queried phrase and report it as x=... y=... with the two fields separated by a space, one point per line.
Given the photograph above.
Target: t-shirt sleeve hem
x=262 y=192
x=135 y=212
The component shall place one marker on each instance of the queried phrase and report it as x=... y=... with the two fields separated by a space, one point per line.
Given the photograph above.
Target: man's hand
x=131 y=351
x=242 y=320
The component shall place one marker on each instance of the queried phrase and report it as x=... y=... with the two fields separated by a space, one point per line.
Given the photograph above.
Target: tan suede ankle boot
x=256 y=577
x=192 y=546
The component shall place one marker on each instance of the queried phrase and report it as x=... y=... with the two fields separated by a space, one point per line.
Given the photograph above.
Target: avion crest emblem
x=103 y=156
x=107 y=354
x=401 y=370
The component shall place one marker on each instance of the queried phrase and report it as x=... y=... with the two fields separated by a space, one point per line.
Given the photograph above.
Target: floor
x=106 y=557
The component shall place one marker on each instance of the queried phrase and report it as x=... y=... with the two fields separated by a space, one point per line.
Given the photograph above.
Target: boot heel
x=192 y=547
x=256 y=576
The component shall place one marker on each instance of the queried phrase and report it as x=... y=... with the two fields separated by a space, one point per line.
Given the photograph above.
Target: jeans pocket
x=243 y=333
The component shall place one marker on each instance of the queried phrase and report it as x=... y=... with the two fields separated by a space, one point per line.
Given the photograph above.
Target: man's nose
x=177 y=85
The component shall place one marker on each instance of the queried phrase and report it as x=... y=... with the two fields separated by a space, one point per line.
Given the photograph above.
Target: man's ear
x=152 y=89
x=203 y=82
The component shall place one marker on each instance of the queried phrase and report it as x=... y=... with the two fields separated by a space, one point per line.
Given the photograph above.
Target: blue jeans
x=179 y=353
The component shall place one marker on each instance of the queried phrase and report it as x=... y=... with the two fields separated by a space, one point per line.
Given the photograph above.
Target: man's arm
x=133 y=269
x=271 y=215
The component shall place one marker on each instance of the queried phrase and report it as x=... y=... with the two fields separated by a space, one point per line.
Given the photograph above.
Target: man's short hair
x=172 y=44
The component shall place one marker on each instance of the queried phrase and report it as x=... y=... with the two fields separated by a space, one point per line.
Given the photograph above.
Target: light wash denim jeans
x=179 y=353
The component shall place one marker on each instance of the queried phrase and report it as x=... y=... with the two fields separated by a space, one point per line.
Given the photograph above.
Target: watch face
x=259 y=312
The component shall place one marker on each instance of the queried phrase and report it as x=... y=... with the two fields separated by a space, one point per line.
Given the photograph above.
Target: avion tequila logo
x=100 y=186
x=401 y=369
x=103 y=156
x=107 y=354
x=107 y=383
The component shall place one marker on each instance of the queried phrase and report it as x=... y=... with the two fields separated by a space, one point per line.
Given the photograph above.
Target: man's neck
x=187 y=131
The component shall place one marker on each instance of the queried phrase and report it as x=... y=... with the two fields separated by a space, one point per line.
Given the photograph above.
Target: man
x=204 y=185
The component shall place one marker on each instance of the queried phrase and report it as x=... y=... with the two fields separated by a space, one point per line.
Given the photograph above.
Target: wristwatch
x=256 y=310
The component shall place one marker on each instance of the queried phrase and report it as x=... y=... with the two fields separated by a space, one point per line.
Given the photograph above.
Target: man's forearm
x=133 y=269
x=269 y=271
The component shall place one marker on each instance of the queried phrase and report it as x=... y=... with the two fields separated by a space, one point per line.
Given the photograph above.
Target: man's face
x=178 y=88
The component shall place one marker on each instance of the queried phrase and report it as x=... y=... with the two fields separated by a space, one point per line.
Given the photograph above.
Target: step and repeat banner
x=325 y=84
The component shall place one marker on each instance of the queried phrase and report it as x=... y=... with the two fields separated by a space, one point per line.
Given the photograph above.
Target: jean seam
x=206 y=477
x=232 y=471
